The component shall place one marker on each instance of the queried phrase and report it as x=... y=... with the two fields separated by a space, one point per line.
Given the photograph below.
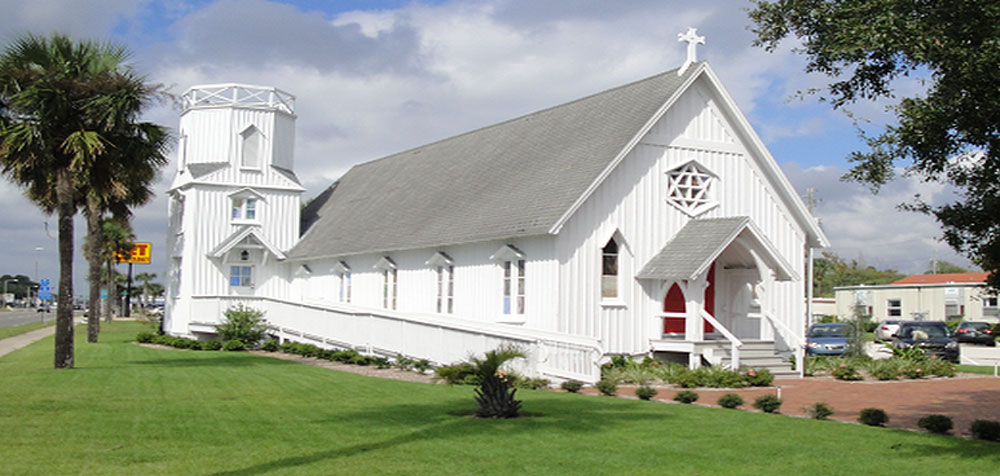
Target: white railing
x=440 y=339
x=242 y=95
x=796 y=340
x=735 y=343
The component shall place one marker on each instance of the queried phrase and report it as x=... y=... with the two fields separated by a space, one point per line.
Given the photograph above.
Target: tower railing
x=238 y=95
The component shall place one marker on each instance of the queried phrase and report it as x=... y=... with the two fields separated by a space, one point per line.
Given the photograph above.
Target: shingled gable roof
x=512 y=179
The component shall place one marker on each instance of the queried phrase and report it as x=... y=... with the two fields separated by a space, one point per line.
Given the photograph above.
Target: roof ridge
x=518 y=118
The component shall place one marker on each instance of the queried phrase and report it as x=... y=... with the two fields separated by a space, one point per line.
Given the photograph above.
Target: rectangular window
x=609 y=270
x=237 y=208
x=251 y=209
x=345 y=287
x=894 y=308
x=445 y=288
x=389 y=288
x=990 y=307
x=241 y=276
x=513 y=287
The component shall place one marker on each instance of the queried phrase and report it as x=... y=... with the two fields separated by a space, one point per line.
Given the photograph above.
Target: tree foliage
x=832 y=271
x=950 y=133
x=945 y=267
x=495 y=394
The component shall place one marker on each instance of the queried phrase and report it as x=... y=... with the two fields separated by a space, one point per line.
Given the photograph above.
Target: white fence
x=440 y=339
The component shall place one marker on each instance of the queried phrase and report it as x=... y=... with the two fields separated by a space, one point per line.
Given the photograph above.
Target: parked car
x=931 y=337
x=885 y=330
x=977 y=333
x=828 y=338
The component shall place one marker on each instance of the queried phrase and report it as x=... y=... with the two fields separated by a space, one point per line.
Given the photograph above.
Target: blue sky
x=372 y=78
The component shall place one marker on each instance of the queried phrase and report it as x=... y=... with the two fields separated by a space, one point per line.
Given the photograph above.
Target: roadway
x=23 y=316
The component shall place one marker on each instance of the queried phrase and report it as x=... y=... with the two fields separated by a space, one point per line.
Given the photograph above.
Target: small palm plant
x=495 y=394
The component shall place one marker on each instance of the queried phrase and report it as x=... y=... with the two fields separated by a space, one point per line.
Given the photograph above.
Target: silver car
x=885 y=330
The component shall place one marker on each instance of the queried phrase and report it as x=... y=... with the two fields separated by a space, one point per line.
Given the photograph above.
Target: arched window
x=252 y=146
x=609 y=270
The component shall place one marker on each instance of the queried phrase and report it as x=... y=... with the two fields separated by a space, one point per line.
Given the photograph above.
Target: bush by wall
x=819 y=411
x=767 y=403
x=645 y=392
x=686 y=396
x=233 y=345
x=243 y=323
x=572 y=386
x=730 y=400
x=607 y=387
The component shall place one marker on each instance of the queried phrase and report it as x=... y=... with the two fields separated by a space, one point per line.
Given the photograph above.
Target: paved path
x=965 y=398
x=11 y=344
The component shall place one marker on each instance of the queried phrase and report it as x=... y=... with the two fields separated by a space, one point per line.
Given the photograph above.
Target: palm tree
x=63 y=105
x=117 y=238
x=146 y=279
x=495 y=395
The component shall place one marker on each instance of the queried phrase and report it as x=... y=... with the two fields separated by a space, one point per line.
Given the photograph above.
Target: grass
x=975 y=369
x=126 y=409
x=12 y=331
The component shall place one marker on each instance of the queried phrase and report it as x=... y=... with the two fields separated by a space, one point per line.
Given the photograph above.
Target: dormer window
x=245 y=209
x=691 y=188
x=252 y=145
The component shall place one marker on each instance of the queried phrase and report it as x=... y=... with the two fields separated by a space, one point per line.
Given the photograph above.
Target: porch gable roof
x=696 y=246
x=237 y=237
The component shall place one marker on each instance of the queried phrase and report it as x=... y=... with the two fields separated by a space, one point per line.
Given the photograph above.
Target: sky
x=376 y=77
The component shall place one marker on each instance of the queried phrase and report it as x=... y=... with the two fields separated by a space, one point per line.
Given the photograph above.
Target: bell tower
x=233 y=204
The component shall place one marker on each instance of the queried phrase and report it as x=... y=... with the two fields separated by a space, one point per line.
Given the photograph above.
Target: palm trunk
x=94 y=246
x=65 y=209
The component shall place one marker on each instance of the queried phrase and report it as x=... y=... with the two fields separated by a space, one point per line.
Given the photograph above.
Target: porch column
x=694 y=296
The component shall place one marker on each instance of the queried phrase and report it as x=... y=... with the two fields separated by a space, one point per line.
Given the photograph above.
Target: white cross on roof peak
x=693 y=40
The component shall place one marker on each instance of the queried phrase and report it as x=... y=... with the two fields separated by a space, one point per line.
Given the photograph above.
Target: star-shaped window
x=691 y=188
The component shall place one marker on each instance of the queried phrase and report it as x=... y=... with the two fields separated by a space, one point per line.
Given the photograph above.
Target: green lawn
x=131 y=410
x=12 y=331
x=976 y=369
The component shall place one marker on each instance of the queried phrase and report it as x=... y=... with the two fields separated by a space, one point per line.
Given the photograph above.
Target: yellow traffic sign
x=142 y=253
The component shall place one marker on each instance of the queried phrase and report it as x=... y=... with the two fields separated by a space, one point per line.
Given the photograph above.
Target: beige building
x=921 y=297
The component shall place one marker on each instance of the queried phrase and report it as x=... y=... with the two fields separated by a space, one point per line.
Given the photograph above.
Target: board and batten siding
x=632 y=200
x=478 y=293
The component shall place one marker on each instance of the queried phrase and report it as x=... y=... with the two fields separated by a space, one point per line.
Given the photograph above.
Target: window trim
x=390 y=282
x=343 y=272
x=890 y=308
x=510 y=259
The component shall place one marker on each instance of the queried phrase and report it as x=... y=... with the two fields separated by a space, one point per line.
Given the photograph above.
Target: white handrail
x=735 y=342
x=784 y=329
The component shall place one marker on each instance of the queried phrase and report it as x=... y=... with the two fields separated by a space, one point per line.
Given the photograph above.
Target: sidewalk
x=11 y=344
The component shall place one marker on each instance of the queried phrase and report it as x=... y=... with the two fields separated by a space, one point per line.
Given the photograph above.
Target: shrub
x=271 y=345
x=422 y=365
x=758 y=378
x=381 y=362
x=494 y=393
x=607 y=387
x=572 y=386
x=985 y=430
x=162 y=339
x=362 y=360
x=846 y=372
x=935 y=423
x=730 y=400
x=873 y=417
x=455 y=374
x=914 y=370
x=243 y=323
x=211 y=345
x=234 y=345
x=345 y=356
x=819 y=411
x=941 y=368
x=886 y=369
x=145 y=337
x=645 y=392
x=686 y=396
x=767 y=403
x=519 y=381
x=403 y=363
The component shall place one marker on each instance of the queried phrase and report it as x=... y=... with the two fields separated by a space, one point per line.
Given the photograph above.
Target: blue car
x=828 y=339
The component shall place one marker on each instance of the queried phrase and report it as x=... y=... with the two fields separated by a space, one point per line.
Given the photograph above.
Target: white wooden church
x=648 y=219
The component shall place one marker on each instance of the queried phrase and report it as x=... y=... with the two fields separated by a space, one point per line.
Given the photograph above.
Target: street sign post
x=142 y=253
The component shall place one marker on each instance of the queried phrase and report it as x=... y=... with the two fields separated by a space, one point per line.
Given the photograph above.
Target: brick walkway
x=965 y=398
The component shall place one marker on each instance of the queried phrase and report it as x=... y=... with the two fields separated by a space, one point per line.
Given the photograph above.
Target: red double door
x=674 y=302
